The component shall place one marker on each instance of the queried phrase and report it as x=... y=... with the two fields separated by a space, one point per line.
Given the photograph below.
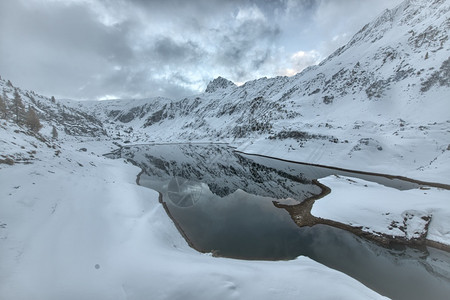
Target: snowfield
x=384 y=210
x=380 y=147
x=77 y=226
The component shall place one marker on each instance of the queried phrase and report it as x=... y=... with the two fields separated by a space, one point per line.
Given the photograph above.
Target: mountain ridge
x=369 y=74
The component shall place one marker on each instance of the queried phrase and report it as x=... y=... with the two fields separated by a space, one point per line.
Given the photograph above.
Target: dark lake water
x=223 y=201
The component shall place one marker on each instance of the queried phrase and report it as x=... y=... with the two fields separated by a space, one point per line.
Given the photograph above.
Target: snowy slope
x=20 y=144
x=386 y=211
x=384 y=95
x=76 y=226
x=67 y=120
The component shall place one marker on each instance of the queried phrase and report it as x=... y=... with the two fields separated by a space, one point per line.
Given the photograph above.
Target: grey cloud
x=59 y=50
x=196 y=8
x=180 y=78
x=141 y=48
x=138 y=83
x=166 y=49
x=261 y=59
x=65 y=28
x=246 y=47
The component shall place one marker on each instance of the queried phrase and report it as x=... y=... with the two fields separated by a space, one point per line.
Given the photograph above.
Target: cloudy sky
x=100 y=49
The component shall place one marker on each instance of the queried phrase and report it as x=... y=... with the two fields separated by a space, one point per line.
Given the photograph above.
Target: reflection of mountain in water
x=220 y=168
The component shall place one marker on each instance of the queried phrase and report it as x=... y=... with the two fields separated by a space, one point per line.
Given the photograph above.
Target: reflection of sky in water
x=243 y=223
x=240 y=225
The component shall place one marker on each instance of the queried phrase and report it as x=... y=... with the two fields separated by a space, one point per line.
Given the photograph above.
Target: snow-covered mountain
x=19 y=143
x=400 y=59
x=66 y=119
x=383 y=95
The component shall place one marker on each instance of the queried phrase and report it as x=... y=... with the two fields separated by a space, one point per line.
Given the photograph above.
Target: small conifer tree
x=32 y=120
x=54 y=133
x=3 y=109
x=18 y=106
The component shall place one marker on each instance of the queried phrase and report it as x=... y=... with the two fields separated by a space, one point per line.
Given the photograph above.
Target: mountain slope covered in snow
x=383 y=95
x=59 y=123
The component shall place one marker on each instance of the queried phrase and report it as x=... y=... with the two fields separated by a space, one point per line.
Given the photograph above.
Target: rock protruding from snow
x=218 y=83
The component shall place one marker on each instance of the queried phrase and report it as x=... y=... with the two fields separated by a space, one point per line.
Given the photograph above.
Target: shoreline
x=305 y=218
x=301 y=213
x=388 y=176
x=166 y=208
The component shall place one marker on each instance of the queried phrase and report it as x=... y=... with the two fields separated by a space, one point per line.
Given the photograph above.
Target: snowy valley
x=75 y=224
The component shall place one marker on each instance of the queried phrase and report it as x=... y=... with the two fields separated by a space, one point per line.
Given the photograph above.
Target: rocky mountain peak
x=218 y=83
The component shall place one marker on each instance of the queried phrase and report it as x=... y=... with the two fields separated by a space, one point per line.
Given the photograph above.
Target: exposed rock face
x=218 y=83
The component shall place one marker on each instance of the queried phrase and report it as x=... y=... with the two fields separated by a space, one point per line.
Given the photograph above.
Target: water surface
x=223 y=202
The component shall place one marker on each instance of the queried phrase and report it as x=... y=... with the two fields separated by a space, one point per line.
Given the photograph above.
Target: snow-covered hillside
x=76 y=226
x=384 y=95
x=59 y=123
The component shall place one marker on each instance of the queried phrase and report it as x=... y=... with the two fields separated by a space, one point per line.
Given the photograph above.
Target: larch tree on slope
x=3 y=109
x=32 y=120
x=19 y=108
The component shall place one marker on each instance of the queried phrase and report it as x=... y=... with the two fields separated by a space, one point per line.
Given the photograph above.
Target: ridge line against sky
x=104 y=49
